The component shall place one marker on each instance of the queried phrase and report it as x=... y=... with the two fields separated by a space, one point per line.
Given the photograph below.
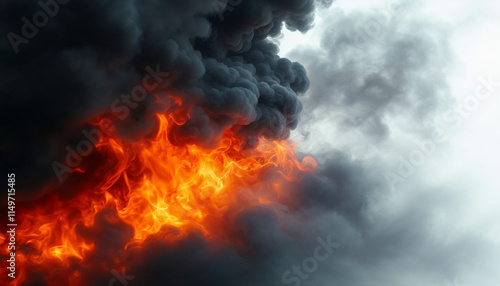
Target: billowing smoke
x=210 y=63
x=65 y=62
x=214 y=66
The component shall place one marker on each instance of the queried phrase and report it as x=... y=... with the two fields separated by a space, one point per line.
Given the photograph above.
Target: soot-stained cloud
x=223 y=66
x=89 y=53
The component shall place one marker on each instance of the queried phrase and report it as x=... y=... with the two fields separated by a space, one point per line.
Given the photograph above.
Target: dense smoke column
x=58 y=74
x=84 y=61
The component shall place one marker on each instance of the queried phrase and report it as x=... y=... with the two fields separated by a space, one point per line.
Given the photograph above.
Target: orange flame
x=146 y=187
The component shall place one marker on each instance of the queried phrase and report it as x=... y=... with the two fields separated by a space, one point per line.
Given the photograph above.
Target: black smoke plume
x=218 y=58
x=57 y=76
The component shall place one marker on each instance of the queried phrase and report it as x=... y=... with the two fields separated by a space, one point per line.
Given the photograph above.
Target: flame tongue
x=153 y=185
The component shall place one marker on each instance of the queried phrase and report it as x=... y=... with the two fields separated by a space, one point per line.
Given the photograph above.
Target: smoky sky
x=376 y=65
x=379 y=77
x=219 y=59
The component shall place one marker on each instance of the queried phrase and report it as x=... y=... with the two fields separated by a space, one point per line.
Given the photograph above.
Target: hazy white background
x=458 y=185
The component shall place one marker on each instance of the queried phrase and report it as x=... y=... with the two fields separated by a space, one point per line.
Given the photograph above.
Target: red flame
x=145 y=187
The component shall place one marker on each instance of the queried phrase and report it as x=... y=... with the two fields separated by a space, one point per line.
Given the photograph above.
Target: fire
x=148 y=186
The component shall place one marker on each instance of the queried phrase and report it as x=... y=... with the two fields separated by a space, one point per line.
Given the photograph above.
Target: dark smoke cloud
x=93 y=51
x=90 y=52
x=72 y=68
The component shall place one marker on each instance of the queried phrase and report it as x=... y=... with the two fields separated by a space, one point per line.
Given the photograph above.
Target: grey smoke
x=375 y=65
